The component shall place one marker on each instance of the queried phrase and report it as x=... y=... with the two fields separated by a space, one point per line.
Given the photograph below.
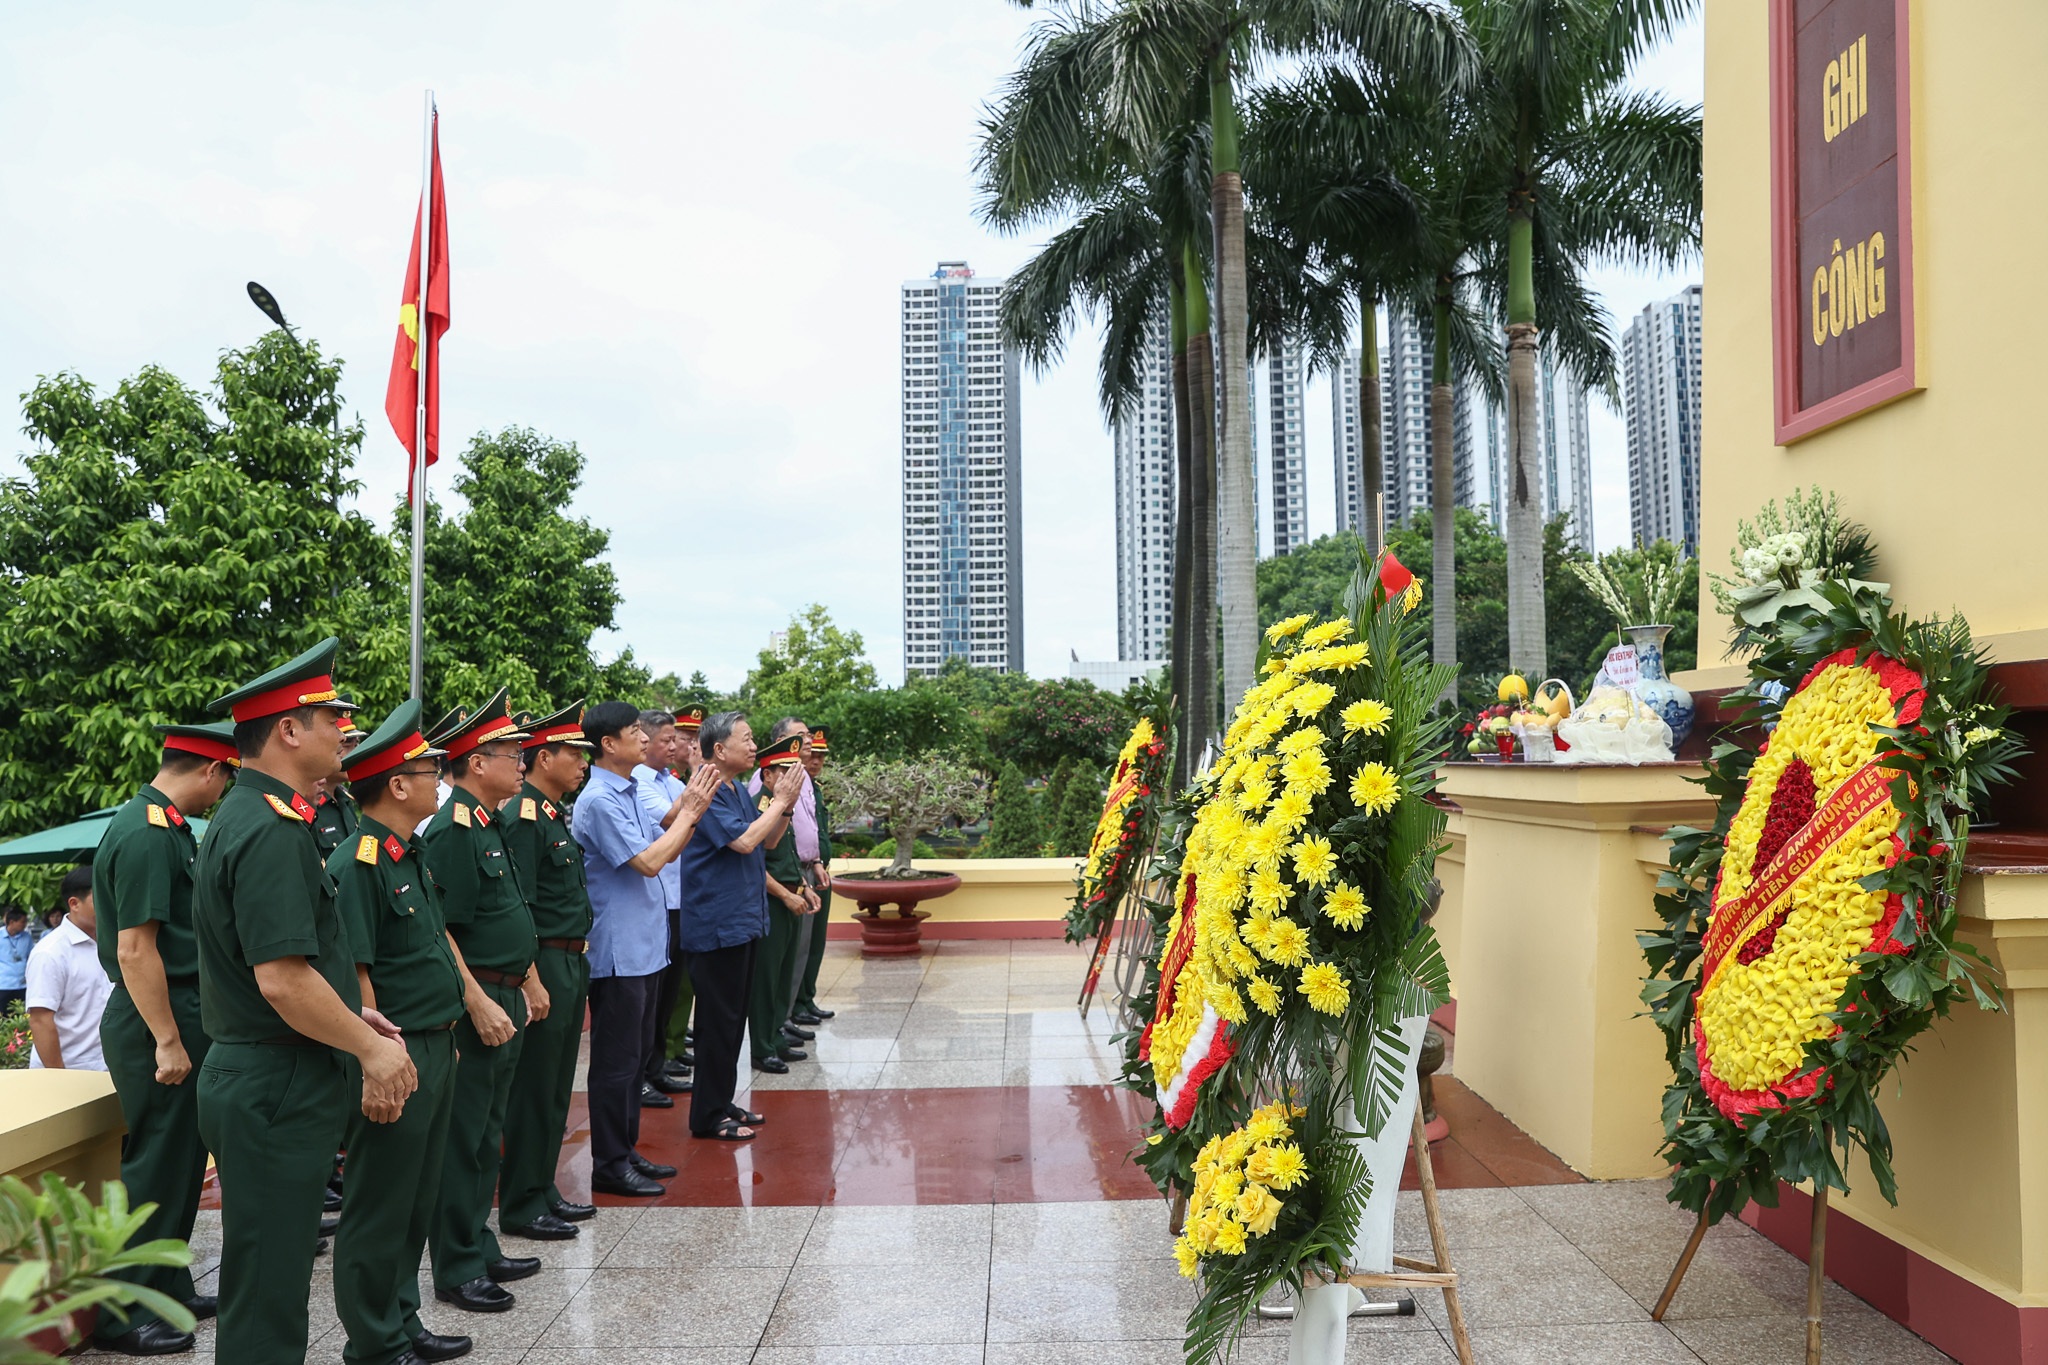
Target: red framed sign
x=1841 y=210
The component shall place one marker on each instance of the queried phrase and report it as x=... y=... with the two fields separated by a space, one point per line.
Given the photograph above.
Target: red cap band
x=290 y=697
x=388 y=758
x=496 y=728
x=218 y=750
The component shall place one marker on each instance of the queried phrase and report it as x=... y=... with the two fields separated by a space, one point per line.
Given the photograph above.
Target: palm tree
x=1591 y=171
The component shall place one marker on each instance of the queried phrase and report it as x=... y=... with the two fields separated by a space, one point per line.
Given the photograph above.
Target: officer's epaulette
x=282 y=809
x=366 y=849
x=157 y=817
x=460 y=815
x=527 y=808
x=763 y=801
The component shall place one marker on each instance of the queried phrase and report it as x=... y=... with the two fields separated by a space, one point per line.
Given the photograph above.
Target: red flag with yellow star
x=402 y=394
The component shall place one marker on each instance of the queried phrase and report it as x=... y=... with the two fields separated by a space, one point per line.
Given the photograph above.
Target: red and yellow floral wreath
x=1789 y=916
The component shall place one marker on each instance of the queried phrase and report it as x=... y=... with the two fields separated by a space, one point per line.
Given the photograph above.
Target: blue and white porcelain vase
x=1653 y=688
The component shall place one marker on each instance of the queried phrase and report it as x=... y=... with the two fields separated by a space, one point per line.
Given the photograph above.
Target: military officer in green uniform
x=555 y=757
x=151 y=1033
x=491 y=930
x=407 y=973
x=808 y=1012
x=278 y=996
x=334 y=808
x=788 y=901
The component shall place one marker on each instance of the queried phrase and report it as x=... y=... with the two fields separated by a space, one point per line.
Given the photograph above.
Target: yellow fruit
x=1512 y=686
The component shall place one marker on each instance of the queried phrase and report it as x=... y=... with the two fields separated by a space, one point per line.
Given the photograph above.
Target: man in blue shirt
x=15 y=941
x=624 y=850
x=661 y=791
x=725 y=911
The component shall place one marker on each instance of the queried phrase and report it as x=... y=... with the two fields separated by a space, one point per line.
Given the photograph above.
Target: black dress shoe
x=432 y=1346
x=653 y=1170
x=320 y=1246
x=650 y=1098
x=480 y=1295
x=806 y=1018
x=774 y=1066
x=546 y=1228
x=792 y=1053
x=820 y=1011
x=153 y=1338
x=328 y=1225
x=669 y=1085
x=802 y=1035
x=331 y=1201
x=572 y=1213
x=678 y=1067
x=202 y=1306
x=508 y=1268
x=632 y=1184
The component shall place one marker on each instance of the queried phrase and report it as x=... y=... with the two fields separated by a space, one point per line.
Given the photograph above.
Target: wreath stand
x=1130 y=930
x=1816 y=1264
x=1409 y=1273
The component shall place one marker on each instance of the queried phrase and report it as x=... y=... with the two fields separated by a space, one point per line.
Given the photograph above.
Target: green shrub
x=1015 y=831
x=887 y=849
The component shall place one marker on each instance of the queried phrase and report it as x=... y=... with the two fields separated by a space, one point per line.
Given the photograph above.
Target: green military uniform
x=273 y=1104
x=775 y=959
x=142 y=874
x=814 y=957
x=334 y=821
x=487 y=913
x=550 y=866
x=393 y=915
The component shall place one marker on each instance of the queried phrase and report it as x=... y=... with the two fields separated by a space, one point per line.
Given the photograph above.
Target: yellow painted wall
x=991 y=888
x=1951 y=480
x=68 y=1122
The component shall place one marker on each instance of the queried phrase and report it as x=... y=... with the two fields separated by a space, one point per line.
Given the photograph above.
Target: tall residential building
x=1145 y=505
x=1567 y=450
x=1660 y=365
x=1345 y=455
x=1287 y=450
x=963 y=592
x=1404 y=415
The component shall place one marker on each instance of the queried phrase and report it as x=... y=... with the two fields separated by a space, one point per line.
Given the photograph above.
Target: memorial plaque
x=1841 y=209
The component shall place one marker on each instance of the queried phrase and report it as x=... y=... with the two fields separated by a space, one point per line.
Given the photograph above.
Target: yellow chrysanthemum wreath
x=1236 y=1179
x=1129 y=814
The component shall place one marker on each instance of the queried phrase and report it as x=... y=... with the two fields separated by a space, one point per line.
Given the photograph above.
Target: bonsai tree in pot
x=908 y=797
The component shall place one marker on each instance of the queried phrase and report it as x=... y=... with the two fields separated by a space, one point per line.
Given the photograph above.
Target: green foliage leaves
x=1014 y=830
x=59 y=1248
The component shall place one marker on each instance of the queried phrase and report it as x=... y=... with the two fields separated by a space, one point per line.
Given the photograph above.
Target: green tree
x=1080 y=809
x=1061 y=718
x=163 y=546
x=516 y=587
x=1014 y=829
x=1055 y=794
x=1312 y=579
x=815 y=661
x=894 y=723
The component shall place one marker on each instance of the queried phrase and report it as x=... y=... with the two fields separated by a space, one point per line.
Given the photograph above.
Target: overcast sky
x=678 y=232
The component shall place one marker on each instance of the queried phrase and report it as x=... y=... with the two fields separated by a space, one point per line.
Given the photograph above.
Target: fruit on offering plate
x=1513 y=687
x=1485 y=733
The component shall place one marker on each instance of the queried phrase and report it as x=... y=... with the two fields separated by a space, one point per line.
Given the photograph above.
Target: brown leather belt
x=427 y=1032
x=567 y=945
x=491 y=978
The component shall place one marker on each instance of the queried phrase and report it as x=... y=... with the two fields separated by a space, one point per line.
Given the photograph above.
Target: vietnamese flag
x=402 y=394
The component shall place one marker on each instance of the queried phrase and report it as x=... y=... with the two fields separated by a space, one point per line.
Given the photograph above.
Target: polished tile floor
x=946 y=1185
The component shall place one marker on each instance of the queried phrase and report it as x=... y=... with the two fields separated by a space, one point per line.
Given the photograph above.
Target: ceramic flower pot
x=898 y=934
x=1657 y=691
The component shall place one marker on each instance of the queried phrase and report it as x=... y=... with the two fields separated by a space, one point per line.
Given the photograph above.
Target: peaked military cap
x=690 y=718
x=818 y=744
x=307 y=680
x=346 y=722
x=461 y=730
x=782 y=752
x=563 y=727
x=215 y=741
x=396 y=741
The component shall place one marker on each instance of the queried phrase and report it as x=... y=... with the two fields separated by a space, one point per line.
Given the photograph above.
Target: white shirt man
x=68 y=988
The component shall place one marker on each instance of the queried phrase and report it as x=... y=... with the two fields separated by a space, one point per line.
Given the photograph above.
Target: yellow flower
x=1264 y=994
x=1287 y=943
x=1270 y=890
x=1155 y=1139
x=1280 y=630
x=1344 y=658
x=1327 y=632
x=1310 y=698
x=1275 y=665
x=1366 y=715
x=1345 y=906
x=1259 y=1210
x=1325 y=987
x=1186 y=1257
x=1230 y=1237
x=1375 y=789
x=1313 y=861
x=1308 y=771
x=1242 y=959
x=1307 y=737
x=1255 y=793
x=1263 y=1127
x=1285 y=1167
x=1290 y=812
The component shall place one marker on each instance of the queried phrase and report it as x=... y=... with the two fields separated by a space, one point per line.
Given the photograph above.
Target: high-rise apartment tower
x=1145 y=505
x=1286 y=449
x=963 y=593
x=1660 y=367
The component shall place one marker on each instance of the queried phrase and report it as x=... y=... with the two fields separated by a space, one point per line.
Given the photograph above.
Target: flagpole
x=419 y=449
